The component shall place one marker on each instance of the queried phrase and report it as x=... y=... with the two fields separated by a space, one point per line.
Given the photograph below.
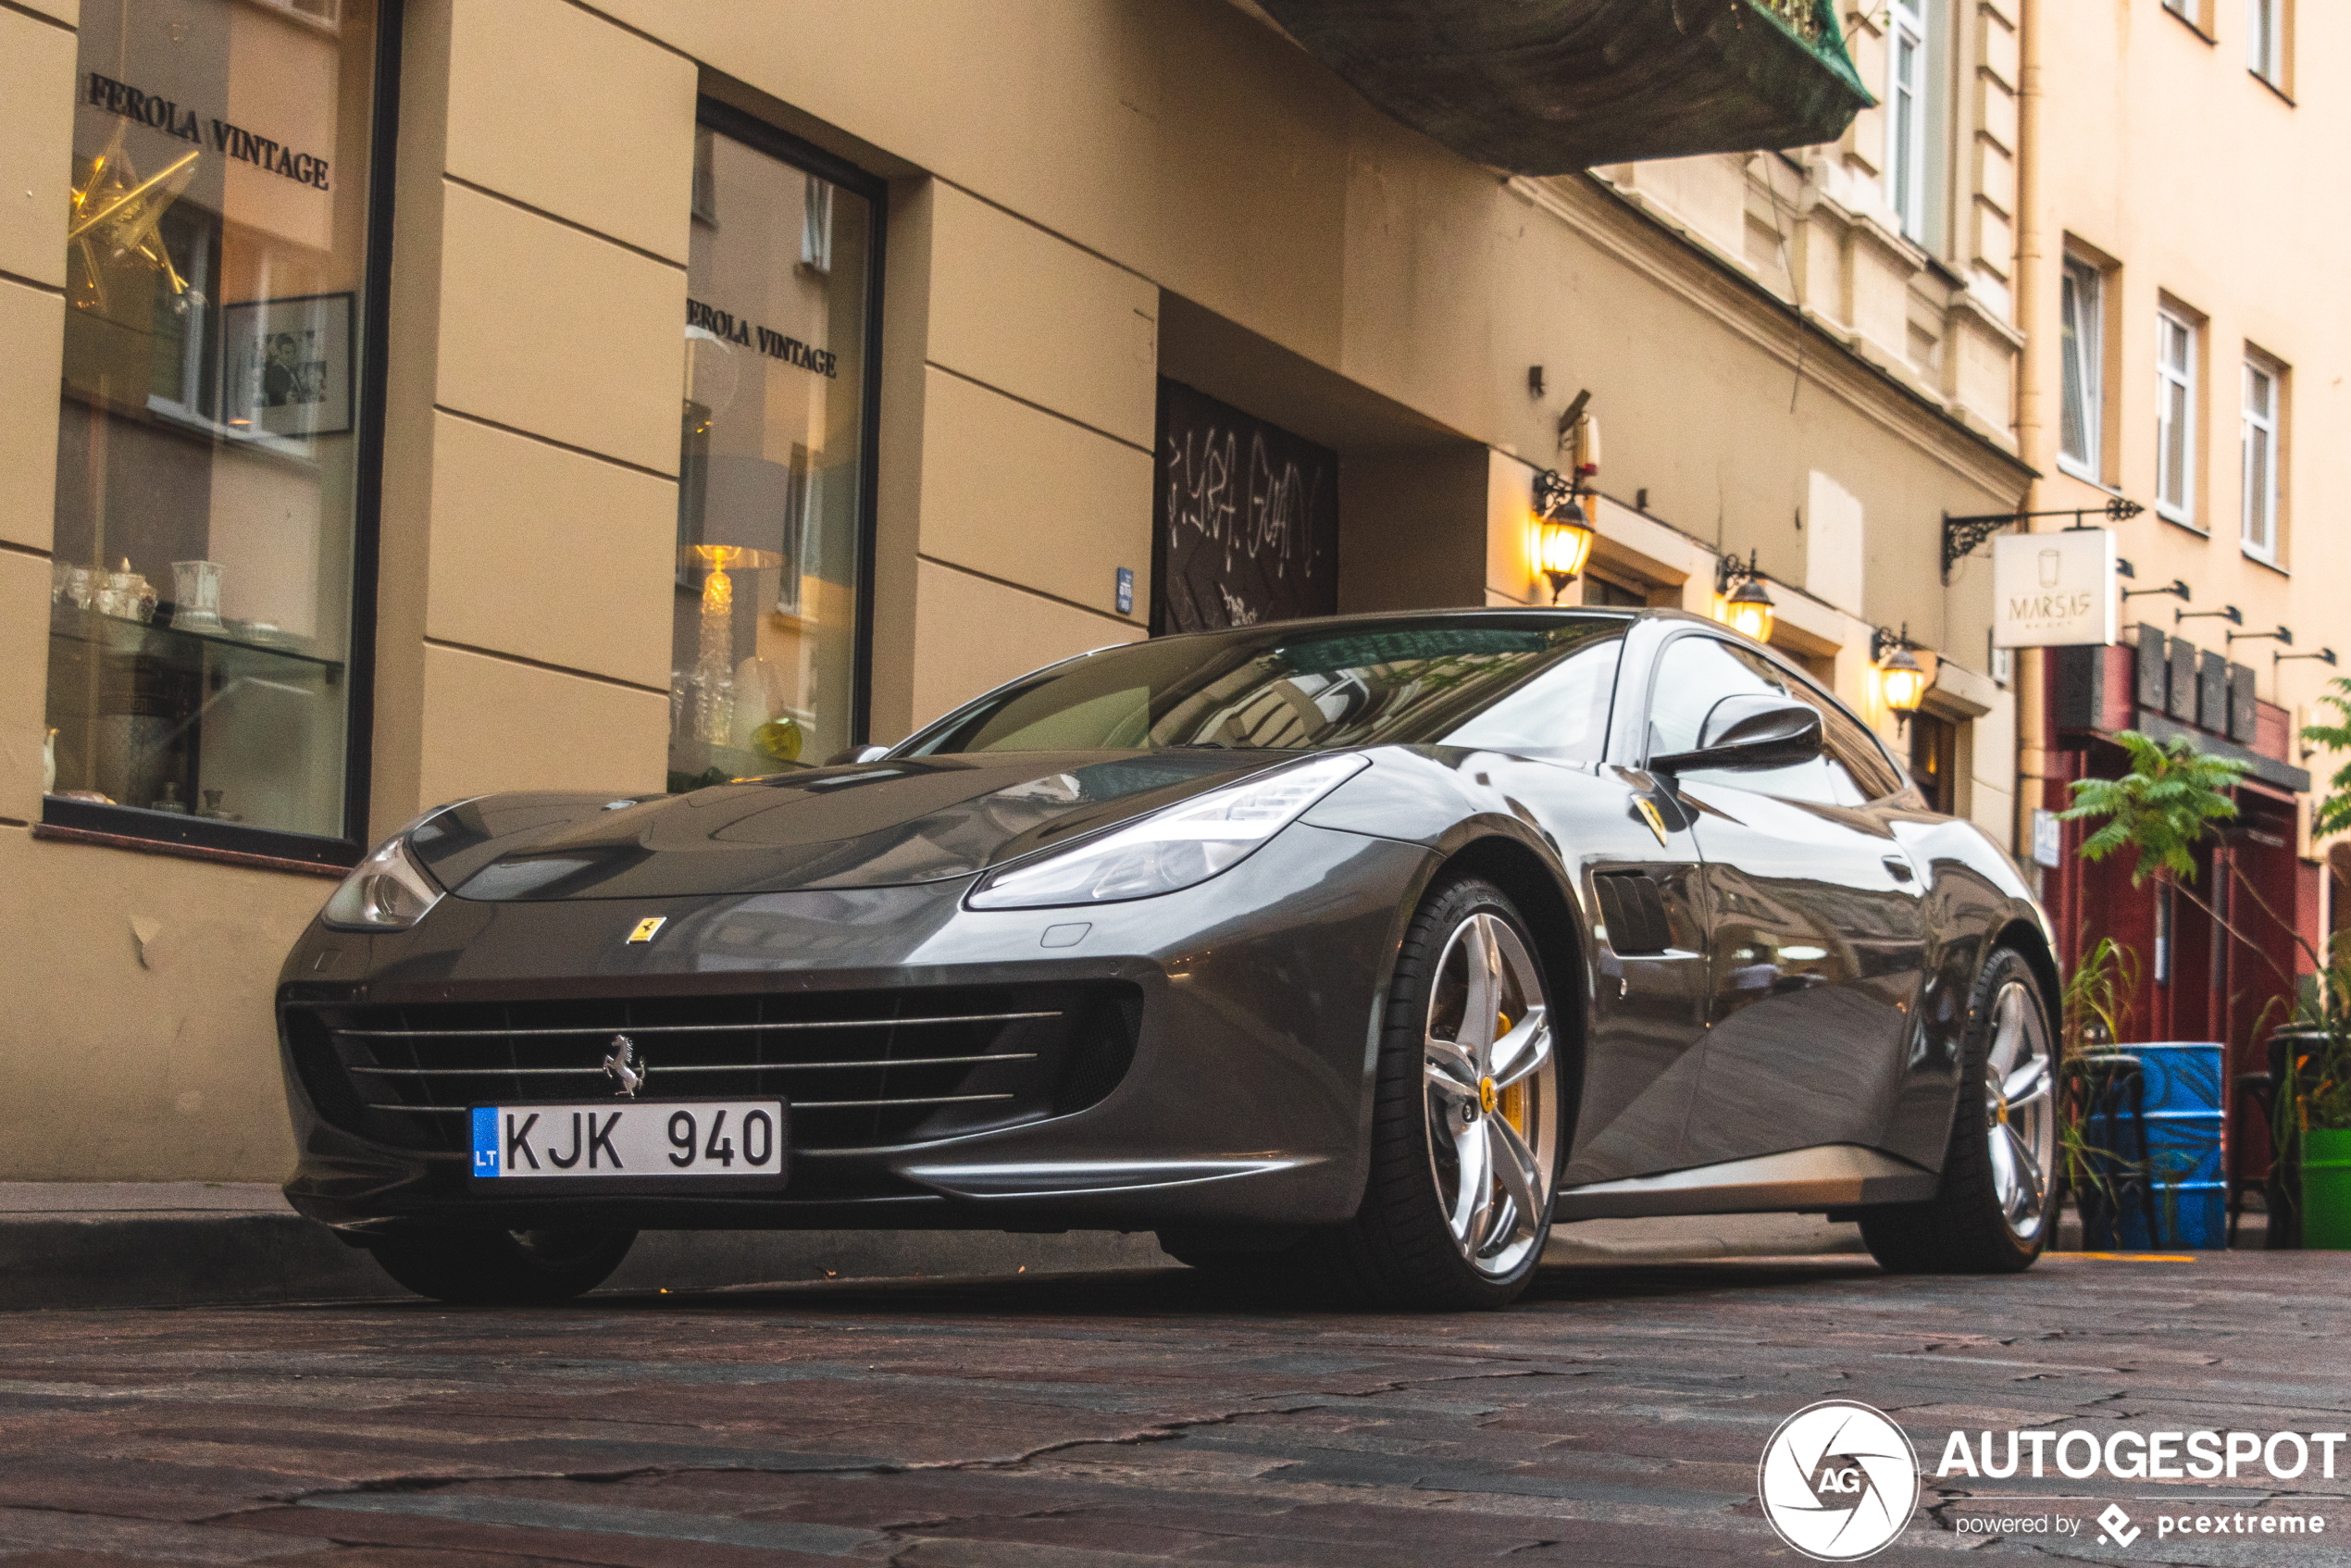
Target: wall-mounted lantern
x=1562 y=531
x=1901 y=678
x=1746 y=608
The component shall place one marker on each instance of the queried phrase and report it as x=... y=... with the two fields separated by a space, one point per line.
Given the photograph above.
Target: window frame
x=2265 y=23
x=2085 y=356
x=248 y=843
x=2176 y=383
x=717 y=114
x=2270 y=425
x=1907 y=119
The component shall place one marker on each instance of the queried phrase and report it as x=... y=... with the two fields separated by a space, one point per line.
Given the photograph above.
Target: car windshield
x=1519 y=683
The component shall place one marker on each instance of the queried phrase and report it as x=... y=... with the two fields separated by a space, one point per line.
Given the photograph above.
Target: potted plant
x=2160 y=808
x=2311 y=1068
x=2097 y=1010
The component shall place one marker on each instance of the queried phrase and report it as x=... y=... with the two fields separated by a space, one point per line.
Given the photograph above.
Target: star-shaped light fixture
x=115 y=215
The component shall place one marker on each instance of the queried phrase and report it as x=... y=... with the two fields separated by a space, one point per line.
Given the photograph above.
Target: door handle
x=1898 y=868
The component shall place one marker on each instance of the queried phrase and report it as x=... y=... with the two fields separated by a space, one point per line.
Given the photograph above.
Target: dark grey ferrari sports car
x=1357 y=950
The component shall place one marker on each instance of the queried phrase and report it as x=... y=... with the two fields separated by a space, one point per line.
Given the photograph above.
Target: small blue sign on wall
x=1125 y=591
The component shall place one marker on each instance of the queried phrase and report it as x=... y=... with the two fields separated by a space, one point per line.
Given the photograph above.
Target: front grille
x=861 y=1070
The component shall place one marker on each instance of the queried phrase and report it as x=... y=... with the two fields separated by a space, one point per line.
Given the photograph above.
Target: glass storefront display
x=773 y=476
x=209 y=463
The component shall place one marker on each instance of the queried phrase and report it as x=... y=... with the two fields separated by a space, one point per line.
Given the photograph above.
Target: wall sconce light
x=1562 y=531
x=1749 y=611
x=2177 y=589
x=2228 y=613
x=1901 y=678
x=2325 y=656
x=2285 y=634
x=1746 y=609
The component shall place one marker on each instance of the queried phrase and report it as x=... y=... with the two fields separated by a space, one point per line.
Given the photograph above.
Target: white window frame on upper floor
x=2265 y=41
x=1908 y=79
x=2175 y=414
x=2261 y=428
x=2082 y=346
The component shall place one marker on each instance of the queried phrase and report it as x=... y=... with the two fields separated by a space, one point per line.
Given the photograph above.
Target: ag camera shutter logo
x=1838 y=1481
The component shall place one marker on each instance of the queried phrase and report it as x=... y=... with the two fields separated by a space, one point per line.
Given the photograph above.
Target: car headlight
x=387 y=892
x=1170 y=849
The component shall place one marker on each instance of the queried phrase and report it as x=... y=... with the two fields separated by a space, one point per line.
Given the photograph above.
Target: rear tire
x=506 y=1268
x=1999 y=1202
x=1468 y=1117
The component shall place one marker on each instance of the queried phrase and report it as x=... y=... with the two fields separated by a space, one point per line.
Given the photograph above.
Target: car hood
x=874 y=825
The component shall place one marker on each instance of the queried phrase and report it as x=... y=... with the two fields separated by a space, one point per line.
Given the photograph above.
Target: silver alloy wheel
x=1490 y=1090
x=2020 y=1111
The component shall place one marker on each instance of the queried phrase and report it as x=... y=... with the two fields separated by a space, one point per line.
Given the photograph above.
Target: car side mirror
x=1751 y=731
x=856 y=754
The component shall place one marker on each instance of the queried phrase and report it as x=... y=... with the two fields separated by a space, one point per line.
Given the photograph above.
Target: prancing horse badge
x=647 y=928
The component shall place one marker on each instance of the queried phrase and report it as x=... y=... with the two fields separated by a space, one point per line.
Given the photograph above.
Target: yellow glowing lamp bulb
x=1565 y=544
x=1903 y=681
x=1749 y=611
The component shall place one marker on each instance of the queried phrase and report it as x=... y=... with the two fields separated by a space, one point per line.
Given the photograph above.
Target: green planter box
x=2326 y=1189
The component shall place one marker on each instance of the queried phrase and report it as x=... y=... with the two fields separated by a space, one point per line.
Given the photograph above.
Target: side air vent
x=1635 y=912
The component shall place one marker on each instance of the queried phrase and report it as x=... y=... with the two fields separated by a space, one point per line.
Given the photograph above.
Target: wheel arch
x=2024 y=936
x=1555 y=924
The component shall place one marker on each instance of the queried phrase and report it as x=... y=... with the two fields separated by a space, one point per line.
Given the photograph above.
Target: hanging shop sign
x=2053 y=589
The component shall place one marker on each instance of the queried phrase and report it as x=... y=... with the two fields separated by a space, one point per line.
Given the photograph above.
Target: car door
x=1815 y=924
x=1636 y=865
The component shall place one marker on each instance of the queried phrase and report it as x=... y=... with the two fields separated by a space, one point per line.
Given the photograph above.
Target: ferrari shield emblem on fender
x=651 y=924
x=1649 y=815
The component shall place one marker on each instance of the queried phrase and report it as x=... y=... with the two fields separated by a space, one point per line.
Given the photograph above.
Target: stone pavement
x=1615 y=1416
x=198 y=1243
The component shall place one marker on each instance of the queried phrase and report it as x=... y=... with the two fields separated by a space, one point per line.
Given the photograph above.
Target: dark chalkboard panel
x=1244 y=519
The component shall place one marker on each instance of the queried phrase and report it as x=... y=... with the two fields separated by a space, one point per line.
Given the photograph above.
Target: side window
x=1696 y=673
x=1561 y=714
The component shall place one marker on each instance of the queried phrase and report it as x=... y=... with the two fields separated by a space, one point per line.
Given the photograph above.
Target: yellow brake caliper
x=1514 y=1098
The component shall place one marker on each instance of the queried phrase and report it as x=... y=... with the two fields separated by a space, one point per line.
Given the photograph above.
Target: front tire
x=1999 y=1202
x=506 y=1268
x=1467 y=1118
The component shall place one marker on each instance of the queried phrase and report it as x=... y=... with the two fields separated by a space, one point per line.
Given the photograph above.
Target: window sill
x=2184 y=524
x=2271 y=562
x=2188 y=23
x=2074 y=468
x=2284 y=96
x=146 y=832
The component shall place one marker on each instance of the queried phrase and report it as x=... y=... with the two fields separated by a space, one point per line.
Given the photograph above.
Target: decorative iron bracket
x=1963 y=536
x=1553 y=489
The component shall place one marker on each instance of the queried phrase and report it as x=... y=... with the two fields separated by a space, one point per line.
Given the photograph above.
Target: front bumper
x=1248 y=1099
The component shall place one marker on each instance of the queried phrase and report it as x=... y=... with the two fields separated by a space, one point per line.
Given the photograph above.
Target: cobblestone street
x=1614 y=1416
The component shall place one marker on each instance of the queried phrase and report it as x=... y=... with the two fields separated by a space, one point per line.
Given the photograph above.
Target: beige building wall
x=1083 y=195
x=2193 y=184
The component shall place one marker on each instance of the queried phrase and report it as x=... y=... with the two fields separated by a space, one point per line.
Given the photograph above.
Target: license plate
x=605 y=1138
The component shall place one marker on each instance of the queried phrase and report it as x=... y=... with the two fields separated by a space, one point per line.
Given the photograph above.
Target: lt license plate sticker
x=709 y=1138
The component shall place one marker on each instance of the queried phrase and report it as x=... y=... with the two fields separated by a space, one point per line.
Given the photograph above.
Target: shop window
x=209 y=614
x=2264 y=383
x=775 y=494
x=2082 y=413
x=2175 y=417
x=1935 y=749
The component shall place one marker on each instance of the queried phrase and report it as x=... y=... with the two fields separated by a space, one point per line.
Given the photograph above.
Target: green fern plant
x=2333 y=813
x=2161 y=808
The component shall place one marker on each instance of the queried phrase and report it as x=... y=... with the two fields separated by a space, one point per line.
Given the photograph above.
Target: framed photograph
x=286 y=367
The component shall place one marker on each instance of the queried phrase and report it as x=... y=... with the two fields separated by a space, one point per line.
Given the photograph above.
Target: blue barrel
x=2172 y=1153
